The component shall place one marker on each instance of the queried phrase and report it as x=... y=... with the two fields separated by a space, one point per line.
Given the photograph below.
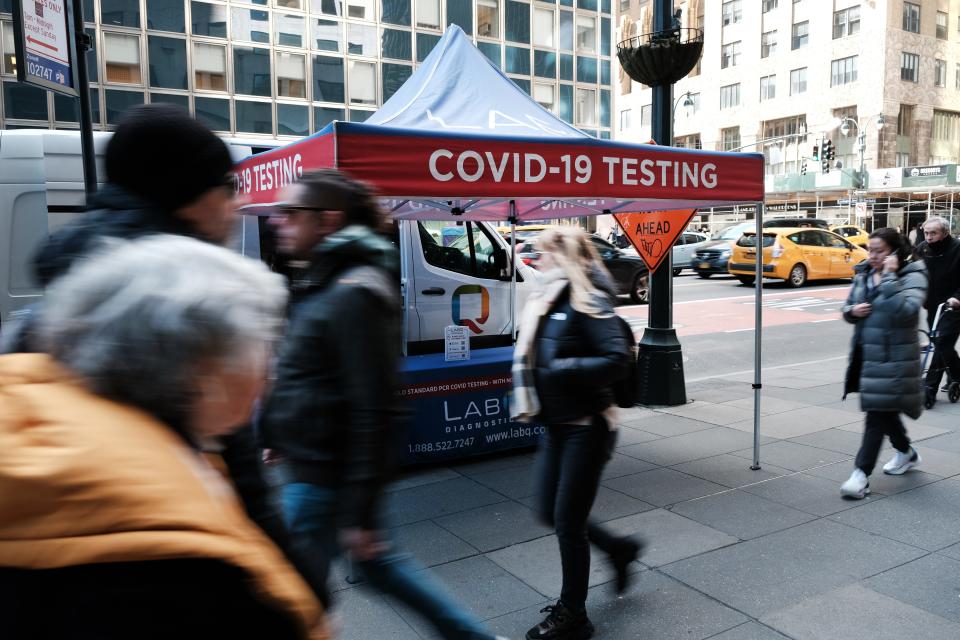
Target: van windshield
x=750 y=240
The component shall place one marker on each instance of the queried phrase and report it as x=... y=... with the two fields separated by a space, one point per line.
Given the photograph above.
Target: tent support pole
x=513 y=270
x=757 y=335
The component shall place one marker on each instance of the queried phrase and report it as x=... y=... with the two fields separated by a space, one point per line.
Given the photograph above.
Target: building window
x=798 y=81
x=327 y=35
x=397 y=44
x=545 y=64
x=428 y=14
x=118 y=102
x=488 y=18
x=544 y=31
x=254 y=117
x=586 y=107
x=120 y=13
x=624 y=5
x=730 y=55
x=846 y=22
x=730 y=139
x=905 y=120
x=208 y=20
x=910 y=67
x=362 y=40
x=903 y=159
x=328 y=84
x=293 y=120
x=911 y=17
x=517 y=22
x=291 y=75
x=769 y=5
x=768 y=44
x=251 y=25
x=165 y=15
x=23 y=101
x=942 y=20
x=625 y=119
x=695 y=107
x=843 y=71
x=393 y=76
x=168 y=62
x=545 y=95
x=732 y=13
x=801 y=35
x=360 y=9
x=289 y=30
x=425 y=44
x=940 y=73
x=121 y=57
x=363 y=82
x=692 y=141
x=957 y=78
x=646 y=115
x=251 y=71
x=9 y=66
x=730 y=96
x=768 y=87
x=586 y=34
x=394 y=12
x=209 y=67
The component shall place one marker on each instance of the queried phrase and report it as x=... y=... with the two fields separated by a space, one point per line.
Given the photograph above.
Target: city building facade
x=281 y=69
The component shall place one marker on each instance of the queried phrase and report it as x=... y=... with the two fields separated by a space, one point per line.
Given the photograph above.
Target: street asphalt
x=733 y=553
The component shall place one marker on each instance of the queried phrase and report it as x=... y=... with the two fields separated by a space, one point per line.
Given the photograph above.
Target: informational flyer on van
x=456 y=343
x=44 y=45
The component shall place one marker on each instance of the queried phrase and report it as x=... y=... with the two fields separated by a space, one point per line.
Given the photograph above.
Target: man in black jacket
x=332 y=413
x=166 y=173
x=941 y=253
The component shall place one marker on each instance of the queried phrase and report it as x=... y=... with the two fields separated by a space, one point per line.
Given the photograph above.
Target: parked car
x=684 y=248
x=627 y=268
x=712 y=257
x=795 y=255
x=796 y=223
x=852 y=233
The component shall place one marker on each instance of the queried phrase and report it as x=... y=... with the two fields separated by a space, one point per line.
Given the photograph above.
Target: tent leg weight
x=661 y=370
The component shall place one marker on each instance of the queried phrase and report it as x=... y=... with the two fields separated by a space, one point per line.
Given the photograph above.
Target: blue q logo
x=473 y=324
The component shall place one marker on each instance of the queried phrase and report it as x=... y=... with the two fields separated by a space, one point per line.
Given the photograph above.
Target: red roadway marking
x=737 y=314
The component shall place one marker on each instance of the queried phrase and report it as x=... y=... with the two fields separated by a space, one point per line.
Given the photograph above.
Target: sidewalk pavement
x=733 y=554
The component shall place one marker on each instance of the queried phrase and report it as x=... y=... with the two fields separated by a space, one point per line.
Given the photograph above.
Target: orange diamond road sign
x=653 y=233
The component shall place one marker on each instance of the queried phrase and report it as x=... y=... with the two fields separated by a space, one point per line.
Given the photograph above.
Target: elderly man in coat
x=884 y=306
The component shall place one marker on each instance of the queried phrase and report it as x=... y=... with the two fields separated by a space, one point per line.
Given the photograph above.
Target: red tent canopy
x=459 y=139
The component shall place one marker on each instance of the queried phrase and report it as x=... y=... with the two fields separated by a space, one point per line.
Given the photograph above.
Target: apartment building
x=280 y=69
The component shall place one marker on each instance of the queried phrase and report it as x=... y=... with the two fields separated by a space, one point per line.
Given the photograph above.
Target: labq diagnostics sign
x=45 y=44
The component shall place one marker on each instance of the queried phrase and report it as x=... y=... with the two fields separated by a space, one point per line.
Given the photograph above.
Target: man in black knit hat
x=167 y=173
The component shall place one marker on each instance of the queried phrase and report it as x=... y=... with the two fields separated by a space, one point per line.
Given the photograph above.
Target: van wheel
x=748 y=280
x=640 y=291
x=704 y=275
x=798 y=276
x=677 y=270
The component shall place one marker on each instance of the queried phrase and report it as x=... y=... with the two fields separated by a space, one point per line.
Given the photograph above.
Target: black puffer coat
x=885 y=350
x=578 y=358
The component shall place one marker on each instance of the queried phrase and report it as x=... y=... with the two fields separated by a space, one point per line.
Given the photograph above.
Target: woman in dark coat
x=884 y=306
x=571 y=349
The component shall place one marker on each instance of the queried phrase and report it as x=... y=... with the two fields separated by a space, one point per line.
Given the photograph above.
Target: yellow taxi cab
x=795 y=255
x=852 y=233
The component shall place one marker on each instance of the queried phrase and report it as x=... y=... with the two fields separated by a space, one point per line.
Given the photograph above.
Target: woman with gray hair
x=113 y=523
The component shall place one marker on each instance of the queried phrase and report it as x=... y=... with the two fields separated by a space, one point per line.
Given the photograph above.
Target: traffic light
x=803 y=168
x=816 y=152
x=826 y=155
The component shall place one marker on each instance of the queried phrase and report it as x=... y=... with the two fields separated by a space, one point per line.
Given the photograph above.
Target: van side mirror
x=500 y=259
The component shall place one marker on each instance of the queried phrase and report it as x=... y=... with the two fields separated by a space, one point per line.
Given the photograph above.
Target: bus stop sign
x=46 y=45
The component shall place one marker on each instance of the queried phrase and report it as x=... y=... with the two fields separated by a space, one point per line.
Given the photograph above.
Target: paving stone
x=879 y=482
x=921 y=584
x=628 y=435
x=656 y=606
x=940 y=417
x=608 y=505
x=513 y=482
x=851 y=405
x=622 y=465
x=423 y=476
x=634 y=413
x=482 y=587
x=927 y=517
x=799 y=422
x=437 y=499
x=773 y=572
x=953 y=551
x=430 y=543
x=661 y=487
x=818 y=496
x=714 y=413
x=690 y=446
x=669 y=537
x=664 y=424
x=768 y=405
x=495 y=526
x=793 y=456
x=494 y=462
x=749 y=631
x=741 y=514
x=916 y=431
x=537 y=564
x=937 y=462
x=857 y=613
x=838 y=440
x=729 y=470
x=736 y=392
x=945 y=442
x=814 y=396
x=365 y=614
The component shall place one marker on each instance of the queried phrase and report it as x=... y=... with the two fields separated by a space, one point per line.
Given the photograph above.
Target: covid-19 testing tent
x=460 y=141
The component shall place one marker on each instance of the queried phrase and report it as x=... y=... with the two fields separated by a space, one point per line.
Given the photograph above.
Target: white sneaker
x=900 y=463
x=857 y=486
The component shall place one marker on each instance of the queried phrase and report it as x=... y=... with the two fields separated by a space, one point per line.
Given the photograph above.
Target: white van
x=454 y=272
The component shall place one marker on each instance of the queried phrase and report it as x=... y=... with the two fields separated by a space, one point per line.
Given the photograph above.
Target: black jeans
x=569 y=463
x=879 y=424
